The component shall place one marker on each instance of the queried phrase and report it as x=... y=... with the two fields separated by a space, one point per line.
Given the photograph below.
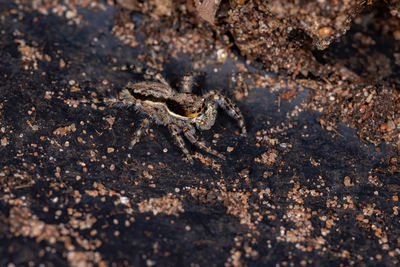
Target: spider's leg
x=113 y=102
x=150 y=74
x=232 y=110
x=156 y=76
x=126 y=97
x=135 y=68
x=175 y=131
x=187 y=81
x=190 y=133
x=143 y=127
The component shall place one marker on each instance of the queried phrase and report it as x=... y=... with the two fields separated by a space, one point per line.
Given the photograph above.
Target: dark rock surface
x=290 y=193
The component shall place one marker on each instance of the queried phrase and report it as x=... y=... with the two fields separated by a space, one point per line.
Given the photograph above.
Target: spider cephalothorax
x=181 y=111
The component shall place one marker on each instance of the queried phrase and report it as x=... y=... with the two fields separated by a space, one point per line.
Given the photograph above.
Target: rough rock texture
x=395 y=8
x=282 y=34
x=290 y=193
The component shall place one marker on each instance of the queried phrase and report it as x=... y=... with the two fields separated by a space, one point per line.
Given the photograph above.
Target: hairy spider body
x=182 y=111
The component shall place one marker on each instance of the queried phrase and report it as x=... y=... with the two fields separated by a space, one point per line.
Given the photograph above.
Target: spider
x=182 y=111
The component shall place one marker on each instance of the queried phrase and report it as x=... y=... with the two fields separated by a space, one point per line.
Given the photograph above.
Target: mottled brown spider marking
x=187 y=81
x=182 y=111
x=175 y=131
x=144 y=125
x=190 y=133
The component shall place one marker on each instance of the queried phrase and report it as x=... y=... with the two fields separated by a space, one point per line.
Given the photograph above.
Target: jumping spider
x=181 y=111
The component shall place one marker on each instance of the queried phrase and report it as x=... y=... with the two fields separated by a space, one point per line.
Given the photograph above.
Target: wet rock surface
x=297 y=190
